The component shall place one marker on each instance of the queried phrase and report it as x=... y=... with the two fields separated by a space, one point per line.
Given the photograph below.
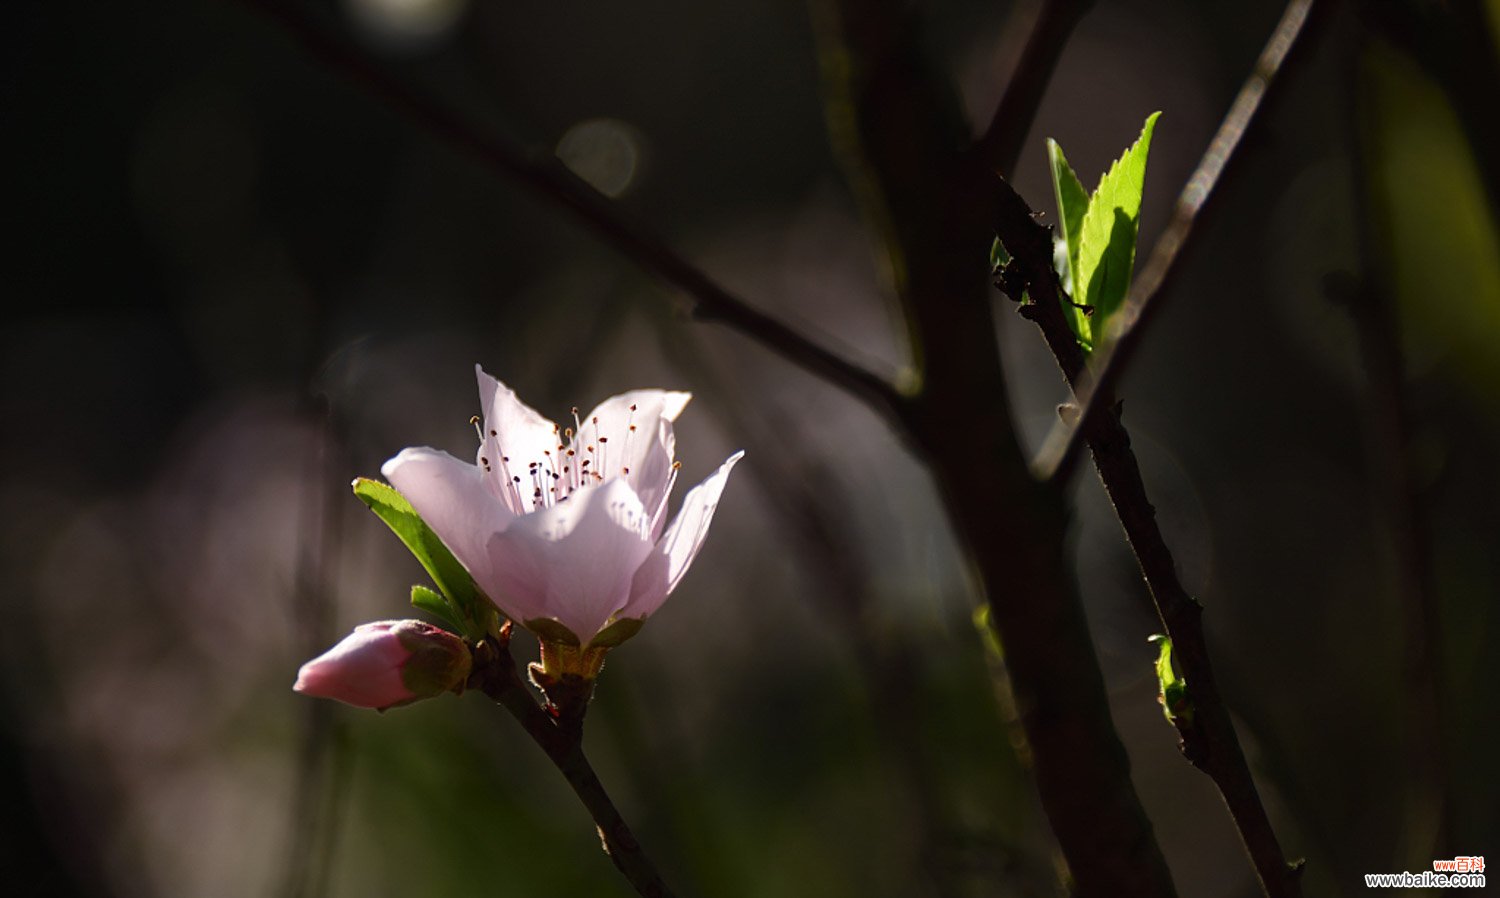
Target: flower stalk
x=561 y=738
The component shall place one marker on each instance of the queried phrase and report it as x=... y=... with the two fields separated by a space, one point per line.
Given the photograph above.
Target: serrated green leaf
x=452 y=580
x=1106 y=245
x=435 y=604
x=1072 y=204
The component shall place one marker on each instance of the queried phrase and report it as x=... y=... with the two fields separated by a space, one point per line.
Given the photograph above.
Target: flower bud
x=388 y=663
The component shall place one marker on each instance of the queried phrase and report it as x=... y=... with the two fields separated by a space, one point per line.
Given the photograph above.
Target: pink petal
x=364 y=669
x=580 y=555
x=660 y=573
x=452 y=498
x=647 y=452
x=513 y=430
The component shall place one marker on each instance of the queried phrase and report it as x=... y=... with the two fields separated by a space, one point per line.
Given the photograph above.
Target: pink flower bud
x=388 y=663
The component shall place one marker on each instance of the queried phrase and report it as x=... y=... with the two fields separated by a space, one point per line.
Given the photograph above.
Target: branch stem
x=1128 y=324
x=495 y=675
x=902 y=143
x=1000 y=146
x=1208 y=739
x=546 y=177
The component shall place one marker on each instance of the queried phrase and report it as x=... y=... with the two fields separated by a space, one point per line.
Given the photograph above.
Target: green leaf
x=1072 y=203
x=464 y=597
x=617 y=632
x=1106 y=243
x=1174 y=691
x=424 y=599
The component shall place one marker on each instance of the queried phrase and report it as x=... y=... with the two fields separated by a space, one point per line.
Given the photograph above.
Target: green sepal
x=1175 y=703
x=439 y=662
x=550 y=630
x=467 y=602
x=1105 y=258
x=435 y=604
x=617 y=632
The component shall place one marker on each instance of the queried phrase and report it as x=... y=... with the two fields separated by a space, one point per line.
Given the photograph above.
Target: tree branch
x=1208 y=738
x=1128 y=324
x=495 y=675
x=1000 y=146
x=901 y=140
x=550 y=180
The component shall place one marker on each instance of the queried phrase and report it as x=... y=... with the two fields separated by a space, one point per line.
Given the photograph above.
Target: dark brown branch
x=1127 y=325
x=495 y=675
x=1000 y=146
x=901 y=139
x=1208 y=739
x=550 y=180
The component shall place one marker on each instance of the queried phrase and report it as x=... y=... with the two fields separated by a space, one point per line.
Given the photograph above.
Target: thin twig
x=1000 y=146
x=548 y=178
x=495 y=675
x=1208 y=738
x=1128 y=324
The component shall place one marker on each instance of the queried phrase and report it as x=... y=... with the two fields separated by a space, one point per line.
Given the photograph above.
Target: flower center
x=582 y=455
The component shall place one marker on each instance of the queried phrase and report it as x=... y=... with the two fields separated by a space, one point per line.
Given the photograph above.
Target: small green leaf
x=424 y=599
x=617 y=632
x=1106 y=243
x=464 y=597
x=550 y=630
x=1072 y=203
x=1174 y=692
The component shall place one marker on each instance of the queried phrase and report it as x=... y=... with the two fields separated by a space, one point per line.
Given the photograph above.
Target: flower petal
x=660 y=573
x=451 y=497
x=642 y=456
x=364 y=669
x=579 y=555
x=515 y=431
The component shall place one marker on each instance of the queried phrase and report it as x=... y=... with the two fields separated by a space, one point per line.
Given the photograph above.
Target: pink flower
x=566 y=524
x=387 y=663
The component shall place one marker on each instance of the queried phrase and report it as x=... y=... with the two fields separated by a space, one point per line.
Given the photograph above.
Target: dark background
x=237 y=279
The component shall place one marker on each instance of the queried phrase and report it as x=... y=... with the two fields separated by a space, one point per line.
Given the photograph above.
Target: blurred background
x=237 y=279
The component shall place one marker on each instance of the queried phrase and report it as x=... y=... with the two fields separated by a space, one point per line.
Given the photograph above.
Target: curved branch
x=1128 y=324
x=549 y=179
